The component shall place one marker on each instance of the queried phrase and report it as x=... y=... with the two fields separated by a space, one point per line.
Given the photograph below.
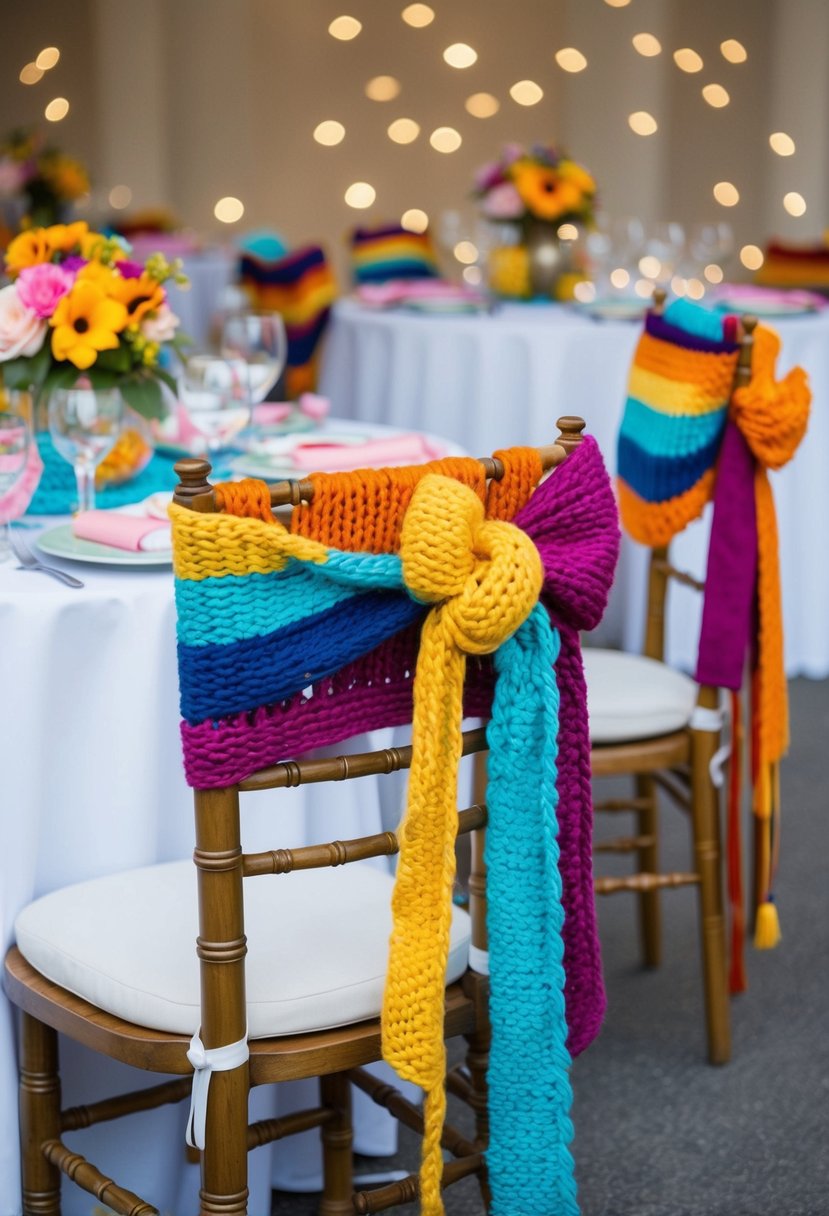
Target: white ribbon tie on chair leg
x=712 y=720
x=206 y=1061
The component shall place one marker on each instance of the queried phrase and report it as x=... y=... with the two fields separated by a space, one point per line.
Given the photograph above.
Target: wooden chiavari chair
x=58 y=988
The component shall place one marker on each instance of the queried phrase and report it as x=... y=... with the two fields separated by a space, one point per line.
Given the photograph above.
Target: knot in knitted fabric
x=485 y=574
x=772 y=414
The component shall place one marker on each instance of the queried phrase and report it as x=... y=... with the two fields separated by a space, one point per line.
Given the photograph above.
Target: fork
x=28 y=561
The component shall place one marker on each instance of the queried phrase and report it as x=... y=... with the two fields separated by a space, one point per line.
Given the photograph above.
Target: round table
x=93 y=784
x=489 y=380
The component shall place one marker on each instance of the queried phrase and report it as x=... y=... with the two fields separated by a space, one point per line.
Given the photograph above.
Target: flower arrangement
x=41 y=178
x=78 y=305
x=543 y=184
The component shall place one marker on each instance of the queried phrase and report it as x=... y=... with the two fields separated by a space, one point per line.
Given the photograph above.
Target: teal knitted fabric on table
x=56 y=493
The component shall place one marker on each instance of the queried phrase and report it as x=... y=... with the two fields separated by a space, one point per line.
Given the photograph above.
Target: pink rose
x=21 y=329
x=161 y=325
x=503 y=203
x=40 y=287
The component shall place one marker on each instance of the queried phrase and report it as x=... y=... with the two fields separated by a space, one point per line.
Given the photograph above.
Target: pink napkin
x=337 y=457
x=14 y=503
x=269 y=413
x=134 y=532
x=398 y=291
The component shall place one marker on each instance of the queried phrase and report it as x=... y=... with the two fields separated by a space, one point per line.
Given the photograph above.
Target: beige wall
x=189 y=100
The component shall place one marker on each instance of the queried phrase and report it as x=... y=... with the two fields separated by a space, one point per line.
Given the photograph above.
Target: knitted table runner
x=57 y=493
x=687 y=438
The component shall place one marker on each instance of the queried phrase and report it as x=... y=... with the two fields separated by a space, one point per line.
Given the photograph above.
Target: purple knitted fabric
x=573 y=521
x=727 y=616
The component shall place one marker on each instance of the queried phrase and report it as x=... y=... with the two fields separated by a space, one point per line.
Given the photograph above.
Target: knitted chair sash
x=248 y=590
x=685 y=439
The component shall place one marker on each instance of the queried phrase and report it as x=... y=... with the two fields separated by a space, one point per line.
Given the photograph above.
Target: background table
x=491 y=380
x=93 y=783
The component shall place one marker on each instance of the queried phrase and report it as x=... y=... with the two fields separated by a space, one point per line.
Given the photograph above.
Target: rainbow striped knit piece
x=687 y=437
x=302 y=288
x=264 y=613
x=391 y=252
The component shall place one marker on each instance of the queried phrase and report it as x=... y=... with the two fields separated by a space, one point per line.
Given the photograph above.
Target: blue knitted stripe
x=229 y=609
x=670 y=435
x=529 y=1087
x=695 y=319
x=658 y=478
x=216 y=680
x=395 y=268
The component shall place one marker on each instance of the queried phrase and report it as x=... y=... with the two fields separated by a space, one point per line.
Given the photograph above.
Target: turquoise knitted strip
x=658 y=433
x=695 y=319
x=529 y=1088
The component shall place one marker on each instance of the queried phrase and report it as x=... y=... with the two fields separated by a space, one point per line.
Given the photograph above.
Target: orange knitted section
x=363 y=511
x=712 y=371
x=772 y=707
x=657 y=523
x=249 y=498
x=772 y=414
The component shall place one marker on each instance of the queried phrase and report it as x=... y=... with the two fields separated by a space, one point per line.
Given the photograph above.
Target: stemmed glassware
x=214 y=392
x=15 y=438
x=664 y=248
x=256 y=347
x=710 y=244
x=84 y=424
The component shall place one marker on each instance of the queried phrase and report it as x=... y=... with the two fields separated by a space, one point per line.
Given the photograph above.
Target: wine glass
x=710 y=244
x=214 y=392
x=84 y=424
x=14 y=453
x=256 y=347
x=663 y=251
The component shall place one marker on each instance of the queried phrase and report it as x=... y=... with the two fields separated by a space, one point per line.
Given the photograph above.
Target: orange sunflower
x=544 y=192
x=139 y=296
x=28 y=249
x=62 y=238
x=85 y=322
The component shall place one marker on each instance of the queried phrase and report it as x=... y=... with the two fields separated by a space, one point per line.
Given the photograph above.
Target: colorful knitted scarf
x=391 y=252
x=269 y=613
x=687 y=438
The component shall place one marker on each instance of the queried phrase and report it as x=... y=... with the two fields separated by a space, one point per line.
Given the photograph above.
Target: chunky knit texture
x=391 y=252
x=687 y=438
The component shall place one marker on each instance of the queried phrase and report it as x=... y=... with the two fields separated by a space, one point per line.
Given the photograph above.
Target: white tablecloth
x=491 y=380
x=93 y=783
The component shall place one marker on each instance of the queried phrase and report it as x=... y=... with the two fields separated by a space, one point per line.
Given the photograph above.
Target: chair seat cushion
x=630 y=697
x=317 y=946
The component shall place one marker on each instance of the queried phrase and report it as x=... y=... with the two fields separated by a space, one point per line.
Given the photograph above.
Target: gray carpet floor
x=659 y=1132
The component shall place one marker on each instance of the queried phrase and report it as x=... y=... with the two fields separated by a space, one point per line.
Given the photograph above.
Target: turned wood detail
x=343 y=852
x=743 y=375
x=76 y=1117
x=622 y=804
x=624 y=844
x=391 y=1099
x=39 y=1116
x=90 y=1179
x=644 y=882
x=337 y=1142
x=408 y=1189
x=265 y=1131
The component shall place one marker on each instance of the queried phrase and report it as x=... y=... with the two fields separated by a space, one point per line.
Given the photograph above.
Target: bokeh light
x=619 y=277
x=383 y=88
x=229 y=209
x=733 y=51
x=794 y=203
x=567 y=232
x=120 y=197
x=329 y=133
x=360 y=195
x=571 y=60
x=727 y=194
x=418 y=15
x=30 y=74
x=459 y=55
x=688 y=60
x=713 y=273
x=57 y=109
x=782 y=144
x=472 y=275
x=482 y=105
x=526 y=92
x=716 y=95
x=466 y=252
x=414 y=220
x=751 y=257
x=345 y=28
x=642 y=123
x=647 y=44
x=47 y=58
x=445 y=139
x=403 y=130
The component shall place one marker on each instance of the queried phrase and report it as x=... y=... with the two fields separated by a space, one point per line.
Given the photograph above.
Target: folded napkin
x=312 y=405
x=744 y=294
x=138 y=533
x=401 y=291
x=338 y=457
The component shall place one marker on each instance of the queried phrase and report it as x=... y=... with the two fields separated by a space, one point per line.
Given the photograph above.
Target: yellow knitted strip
x=214 y=545
x=668 y=396
x=422 y=902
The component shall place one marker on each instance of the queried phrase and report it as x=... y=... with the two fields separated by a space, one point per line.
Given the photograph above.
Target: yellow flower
x=139 y=296
x=67 y=177
x=85 y=322
x=29 y=249
x=573 y=172
x=545 y=194
x=62 y=238
x=98 y=273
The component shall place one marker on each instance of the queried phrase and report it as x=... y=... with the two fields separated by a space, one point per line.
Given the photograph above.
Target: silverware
x=28 y=561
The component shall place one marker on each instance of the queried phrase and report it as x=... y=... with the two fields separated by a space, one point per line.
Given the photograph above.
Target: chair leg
x=224 y=1162
x=650 y=917
x=337 y=1140
x=705 y=813
x=477 y=1063
x=39 y=1117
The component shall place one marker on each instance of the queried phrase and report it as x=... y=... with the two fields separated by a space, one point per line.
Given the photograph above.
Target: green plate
x=61 y=542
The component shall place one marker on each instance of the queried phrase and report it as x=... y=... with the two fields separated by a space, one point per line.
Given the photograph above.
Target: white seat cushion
x=630 y=697
x=317 y=946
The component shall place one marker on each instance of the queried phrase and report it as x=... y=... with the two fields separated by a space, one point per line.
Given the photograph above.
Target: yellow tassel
x=767 y=929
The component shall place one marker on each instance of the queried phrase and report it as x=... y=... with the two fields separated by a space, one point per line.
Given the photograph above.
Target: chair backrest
x=301 y=287
x=391 y=252
x=687 y=364
x=276 y=657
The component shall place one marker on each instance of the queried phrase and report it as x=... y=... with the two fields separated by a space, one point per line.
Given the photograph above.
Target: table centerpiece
x=531 y=196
